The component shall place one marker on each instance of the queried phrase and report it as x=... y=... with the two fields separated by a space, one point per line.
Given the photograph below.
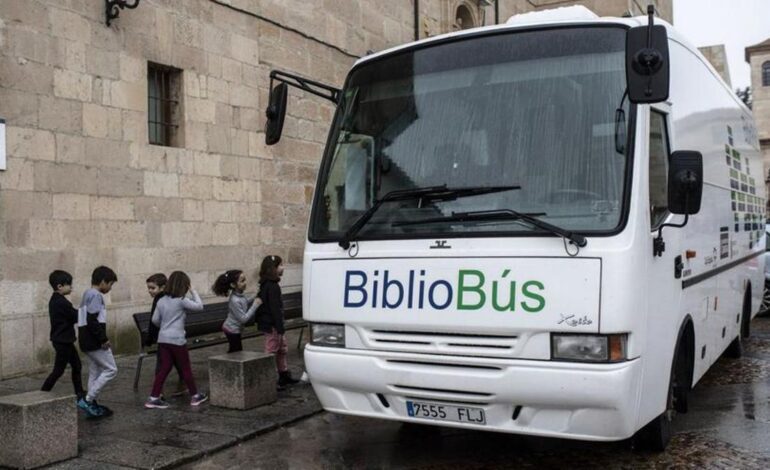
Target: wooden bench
x=205 y=328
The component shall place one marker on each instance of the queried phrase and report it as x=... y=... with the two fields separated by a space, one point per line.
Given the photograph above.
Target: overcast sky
x=735 y=23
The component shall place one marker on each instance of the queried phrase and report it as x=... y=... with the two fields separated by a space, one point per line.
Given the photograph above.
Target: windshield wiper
x=502 y=214
x=429 y=194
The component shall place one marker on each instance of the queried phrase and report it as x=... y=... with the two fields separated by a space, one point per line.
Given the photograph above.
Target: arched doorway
x=464 y=18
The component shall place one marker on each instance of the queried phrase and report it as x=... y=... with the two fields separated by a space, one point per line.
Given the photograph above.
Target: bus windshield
x=535 y=109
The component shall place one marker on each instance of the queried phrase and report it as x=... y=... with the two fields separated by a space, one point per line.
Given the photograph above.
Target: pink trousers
x=276 y=344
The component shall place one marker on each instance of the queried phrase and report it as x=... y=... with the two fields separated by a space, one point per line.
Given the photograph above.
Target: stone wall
x=83 y=186
x=717 y=57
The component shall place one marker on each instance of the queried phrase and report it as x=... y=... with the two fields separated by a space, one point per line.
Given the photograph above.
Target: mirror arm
x=658 y=245
x=315 y=88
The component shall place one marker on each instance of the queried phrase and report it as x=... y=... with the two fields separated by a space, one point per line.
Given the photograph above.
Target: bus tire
x=735 y=349
x=656 y=435
x=746 y=313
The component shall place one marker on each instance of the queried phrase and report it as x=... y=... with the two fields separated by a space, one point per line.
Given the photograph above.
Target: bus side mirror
x=276 y=112
x=685 y=182
x=647 y=62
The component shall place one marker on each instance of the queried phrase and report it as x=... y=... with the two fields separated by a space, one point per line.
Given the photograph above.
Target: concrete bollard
x=38 y=428
x=242 y=380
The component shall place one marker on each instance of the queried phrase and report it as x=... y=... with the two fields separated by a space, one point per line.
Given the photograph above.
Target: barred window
x=766 y=74
x=164 y=85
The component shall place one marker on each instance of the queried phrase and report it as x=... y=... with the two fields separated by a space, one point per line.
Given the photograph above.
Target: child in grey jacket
x=241 y=309
x=170 y=315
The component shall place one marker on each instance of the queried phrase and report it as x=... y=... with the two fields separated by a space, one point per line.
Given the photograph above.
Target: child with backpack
x=240 y=309
x=169 y=316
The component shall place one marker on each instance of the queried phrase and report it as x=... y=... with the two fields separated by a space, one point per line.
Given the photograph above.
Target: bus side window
x=659 y=153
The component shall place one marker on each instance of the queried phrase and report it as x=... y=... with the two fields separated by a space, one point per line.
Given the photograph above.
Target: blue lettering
x=355 y=288
x=432 y=290
x=386 y=285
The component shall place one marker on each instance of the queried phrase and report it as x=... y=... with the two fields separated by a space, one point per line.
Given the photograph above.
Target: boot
x=284 y=379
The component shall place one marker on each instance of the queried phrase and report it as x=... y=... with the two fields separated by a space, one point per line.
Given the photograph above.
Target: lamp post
x=113 y=7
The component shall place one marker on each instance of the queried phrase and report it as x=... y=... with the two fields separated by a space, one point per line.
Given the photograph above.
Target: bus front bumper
x=554 y=399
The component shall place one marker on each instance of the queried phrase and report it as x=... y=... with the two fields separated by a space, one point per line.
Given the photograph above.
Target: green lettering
x=540 y=301
x=476 y=289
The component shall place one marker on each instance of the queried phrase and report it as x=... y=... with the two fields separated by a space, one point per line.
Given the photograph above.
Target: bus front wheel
x=656 y=435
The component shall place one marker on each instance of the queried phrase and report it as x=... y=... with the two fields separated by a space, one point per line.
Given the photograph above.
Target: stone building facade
x=82 y=101
x=717 y=57
x=758 y=57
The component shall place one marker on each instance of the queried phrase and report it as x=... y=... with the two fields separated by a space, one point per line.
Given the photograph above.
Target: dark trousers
x=170 y=355
x=65 y=354
x=235 y=342
x=157 y=365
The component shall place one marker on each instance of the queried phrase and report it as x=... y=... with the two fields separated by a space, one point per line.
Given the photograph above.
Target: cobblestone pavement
x=135 y=437
x=728 y=427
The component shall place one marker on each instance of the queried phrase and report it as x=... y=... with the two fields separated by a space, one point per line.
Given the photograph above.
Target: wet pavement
x=728 y=426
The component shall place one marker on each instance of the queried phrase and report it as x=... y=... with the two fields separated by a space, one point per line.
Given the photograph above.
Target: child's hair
x=269 y=269
x=159 y=279
x=178 y=284
x=59 y=278
x=103 y=273
x=222 y=285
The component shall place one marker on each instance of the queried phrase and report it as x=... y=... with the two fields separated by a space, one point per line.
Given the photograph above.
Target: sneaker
x=82 y=403
x=106 y=411
x=198 y=398
x=285 y=378
x=156 y=403
x=92 y=411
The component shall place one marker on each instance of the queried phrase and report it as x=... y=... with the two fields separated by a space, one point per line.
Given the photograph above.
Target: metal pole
x=416 y=20
x=497 y=11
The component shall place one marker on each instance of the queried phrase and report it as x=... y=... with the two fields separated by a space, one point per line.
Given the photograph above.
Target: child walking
x=170 y=315
x=92 y=337
x=270 y=316
x=63 y=318
x=240 y=308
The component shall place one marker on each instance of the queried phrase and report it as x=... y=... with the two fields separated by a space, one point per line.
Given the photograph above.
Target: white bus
x=549 y=227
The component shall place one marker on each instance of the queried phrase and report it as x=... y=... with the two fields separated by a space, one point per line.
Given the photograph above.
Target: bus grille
x=455 y=344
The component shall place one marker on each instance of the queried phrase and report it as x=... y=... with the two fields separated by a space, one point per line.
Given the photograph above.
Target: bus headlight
x=327 y=334
x=588 y=348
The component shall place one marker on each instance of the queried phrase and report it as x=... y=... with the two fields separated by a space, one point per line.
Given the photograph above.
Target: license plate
x=441 y=412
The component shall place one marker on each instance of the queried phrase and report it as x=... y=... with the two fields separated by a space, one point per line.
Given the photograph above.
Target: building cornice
x=761 y=47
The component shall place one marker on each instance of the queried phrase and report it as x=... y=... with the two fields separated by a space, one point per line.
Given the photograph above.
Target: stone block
x=25 y=205
x=244 y=49
x=16 y=344
x=129 y=95
x=23 y=75
x=226 y=235
x=195 y=187
x=161 y=184
x=102 y=63
x=30 y=143
x=60 y=115
x=112 y=208
x=119 y=182
x=228 y=189
x=242 y=380
x=72 y=85
x=71 y=206
x=28 y=419
x=19 y=108
x=69 y=25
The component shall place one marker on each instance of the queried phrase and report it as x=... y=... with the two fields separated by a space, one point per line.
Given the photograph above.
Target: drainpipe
x=497 y=11
x=416 y=20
